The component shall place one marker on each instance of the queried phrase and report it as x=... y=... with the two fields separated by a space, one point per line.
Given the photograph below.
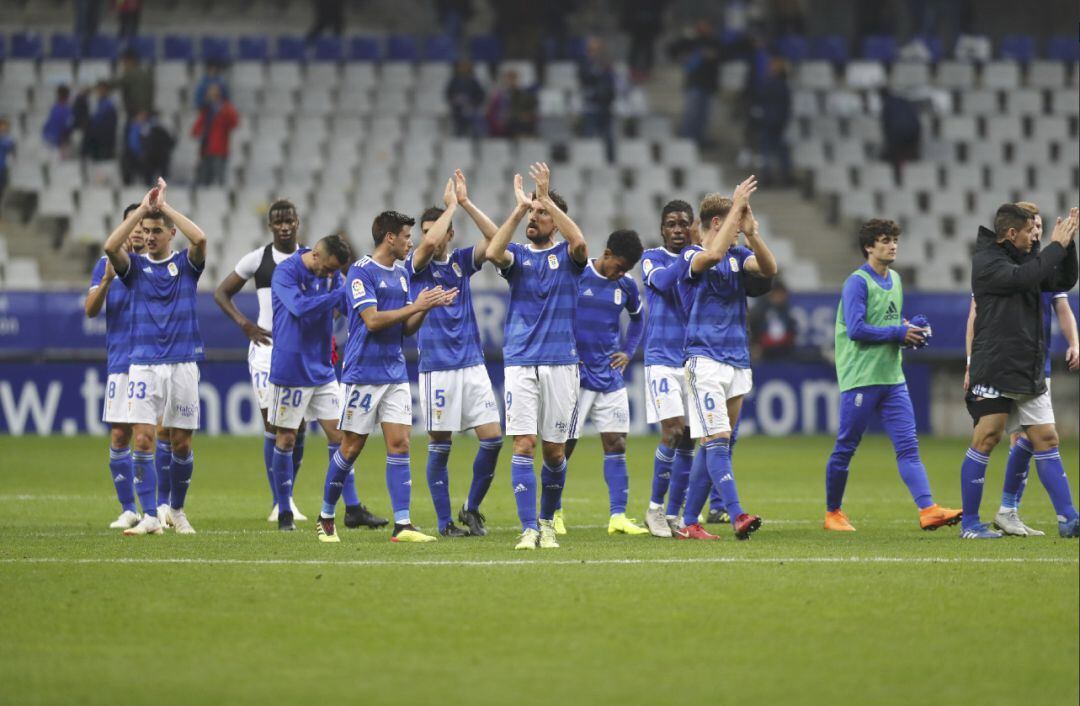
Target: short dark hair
x=129 y=209
x=559 y=200
x=157 y=215
x=130 y=53
x=63 y=92
x=335 y=246
x=280 y=205
x=1010 y=215
x=714 y=205
x=389 y=222
x=872 y=230
x=676 y=206
x=431 y=214
x=625 y=244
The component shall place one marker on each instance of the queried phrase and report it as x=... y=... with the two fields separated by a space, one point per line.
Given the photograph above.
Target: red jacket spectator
x=223 y=119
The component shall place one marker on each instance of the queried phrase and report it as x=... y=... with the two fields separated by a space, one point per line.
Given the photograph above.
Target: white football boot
x=147 y=525
x=657 y=523
x=297 y=515
x=127 y=520
x=180 y=522
x=547 y=535
x=1009 y=522
x=165 y=516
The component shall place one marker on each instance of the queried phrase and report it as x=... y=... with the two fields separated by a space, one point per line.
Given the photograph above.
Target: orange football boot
x=837 y=521
x=930 y=518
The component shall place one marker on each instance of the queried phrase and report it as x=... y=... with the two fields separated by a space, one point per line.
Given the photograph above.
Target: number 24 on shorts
x=355 y=401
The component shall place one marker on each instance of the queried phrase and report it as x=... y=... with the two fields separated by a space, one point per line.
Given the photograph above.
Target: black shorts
x=979 y=407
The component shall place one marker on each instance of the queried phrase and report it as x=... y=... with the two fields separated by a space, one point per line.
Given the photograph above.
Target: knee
x=351 y=445
x=554 y=454
x=398 y=447
x=120 y=437
x=1043 y=439
x=286 y=439
x=144 y=440
x=984 y=443
x=614 y=444
x=525 y=446
x=671 y=433
x=181 y=446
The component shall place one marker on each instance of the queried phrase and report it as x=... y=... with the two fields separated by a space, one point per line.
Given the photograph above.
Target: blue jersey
x=665 y=329
x=449 y=338
x=164 y=326
x=303 y=307
x=117 y=320
x=716 y=325
x=375 y=358
x=543 y=296
x=1048 y=299
x=599 y=307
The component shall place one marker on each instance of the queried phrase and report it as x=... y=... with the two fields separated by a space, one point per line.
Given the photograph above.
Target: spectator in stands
x=216 y=121
x=643 y=21
x=87 y=19
x=773 y=328
x=131 y=162
x=901 y=129
x=136 y=85
x=700 y=55
x=99 y=135
x=785 y=17
x=770 y=114
x=466 y=98
x=7 y=148
x=512 y=110
x=127 y=13
x=452 y=16
x=157 y=147
x=214 y=76
x=329 y=15
x=61 y=121
x=597 y=81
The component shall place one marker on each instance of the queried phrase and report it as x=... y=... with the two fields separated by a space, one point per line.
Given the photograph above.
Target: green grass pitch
x=240 y=613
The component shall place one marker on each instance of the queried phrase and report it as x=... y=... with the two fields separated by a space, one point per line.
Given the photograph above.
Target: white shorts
x=712 y=384
x=610 y=412
x=293 y=405
x=364 y=406
x=1029 y=411
x=169 y=392
x=259 y=369
x=665 y=388
x=115 y=409
x=541 y=398
x=455 y=400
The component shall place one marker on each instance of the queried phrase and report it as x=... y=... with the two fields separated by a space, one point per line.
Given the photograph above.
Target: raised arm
x=579 y=251
x=496 y=249
x=438 y=232
x=1067 y=320
x=95 y=298
x=486 y=225
x=723 y=240
x=194 y=234
x=114 y=244
x=762 y=262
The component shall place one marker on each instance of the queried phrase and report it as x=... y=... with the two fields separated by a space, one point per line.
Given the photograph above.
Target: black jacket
x=1008 y=352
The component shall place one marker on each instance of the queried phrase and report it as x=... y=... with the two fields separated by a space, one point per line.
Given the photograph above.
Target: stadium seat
x=955 y=74
x=862 y=74
x=485 y=48
x=733 y=76
x=55 y=72
x=909 y=74
x=1017 y=47
x=881 y=48
x=323 y=74
x=1024 y=101
x=402 y=47
x=329 y=49
x=253 y=48
x=247 y=74
x=63 y=46
x=1065 y=102
x=289 y=48
x=213 y=49
x=792 y=47
x=1046 y=74
x=359 y=75
x=832 y=48
x=27 y=45
x=1001 y=75
x=90 y=71
x=1063 y=48
x=145 y=46
x=816 y=75
x=179 y=48
x=103 y=47
x=363 y=48
x=1004 y=128
x=440 y=47
x=284 y=74
x=3 y=47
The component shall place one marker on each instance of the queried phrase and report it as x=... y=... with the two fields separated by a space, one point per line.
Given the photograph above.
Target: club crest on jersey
x=618 y=296
x=687 y=254
x=734 y=264
x=457 y=269
x=647 y=266
x=553 y=261
x=404 y=284
x=357 y=289
x=173 y=271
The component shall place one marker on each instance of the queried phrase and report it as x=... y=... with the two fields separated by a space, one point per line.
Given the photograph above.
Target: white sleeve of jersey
x=249 y=263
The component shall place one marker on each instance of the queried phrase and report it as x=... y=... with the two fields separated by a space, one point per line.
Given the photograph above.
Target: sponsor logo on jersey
x=404 y=284
x=457 y=269
x=618 y=296
x=734 y=264
x=357 y=289
x=553 y=261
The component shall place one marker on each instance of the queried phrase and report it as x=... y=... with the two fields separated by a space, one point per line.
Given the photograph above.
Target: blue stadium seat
x=179 y=48
x=26 y=45
x=253 y=48
x=401 y=47
x=63 y=46
x=1063 y=47
x=572 y=50
x=1018 y=47
x=215 y=49
x=486 y=48
x=440 y=47
x=329 y=49
x=792 y=47
x=3 y=47
x=145 y=45
x=290 y=48
x=880 y=47
x=103 y=46
x=832 y=48
x=935 y=45
x=364 y=49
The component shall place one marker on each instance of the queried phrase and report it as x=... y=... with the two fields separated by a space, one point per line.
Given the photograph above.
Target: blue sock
x=348 y=488
x=123 y=477
x=718 y=460
x=180 y=472
x=1016 y=473
x=523 y=481
x=698 y=490
x=399 y=483
x=716 y=501
x=145 y=481
x=297 y=459
x=438 y=480
x=483 y=471
x=552 y=482
x=283 y=478
x=269 y=441
x=913 y=472
x=1052 y=474
x=661 y=474
x=163 y=462
x=972 y=477
x=680 y=481
x=618 y=482
x=336 y=473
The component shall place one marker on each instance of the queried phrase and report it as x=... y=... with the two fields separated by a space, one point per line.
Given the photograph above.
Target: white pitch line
x=556 y=562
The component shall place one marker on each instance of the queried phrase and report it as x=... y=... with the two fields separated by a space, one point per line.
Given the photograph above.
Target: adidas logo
x=588 y=292
x=147 y=270
x=978 y=481
x=408 y=482
x=439 y=482
x=891 y=312
x=725 y=477
x=527 y=263
x=519 y=488
x=118 y=478
x=382 y=285
x=288 y=483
